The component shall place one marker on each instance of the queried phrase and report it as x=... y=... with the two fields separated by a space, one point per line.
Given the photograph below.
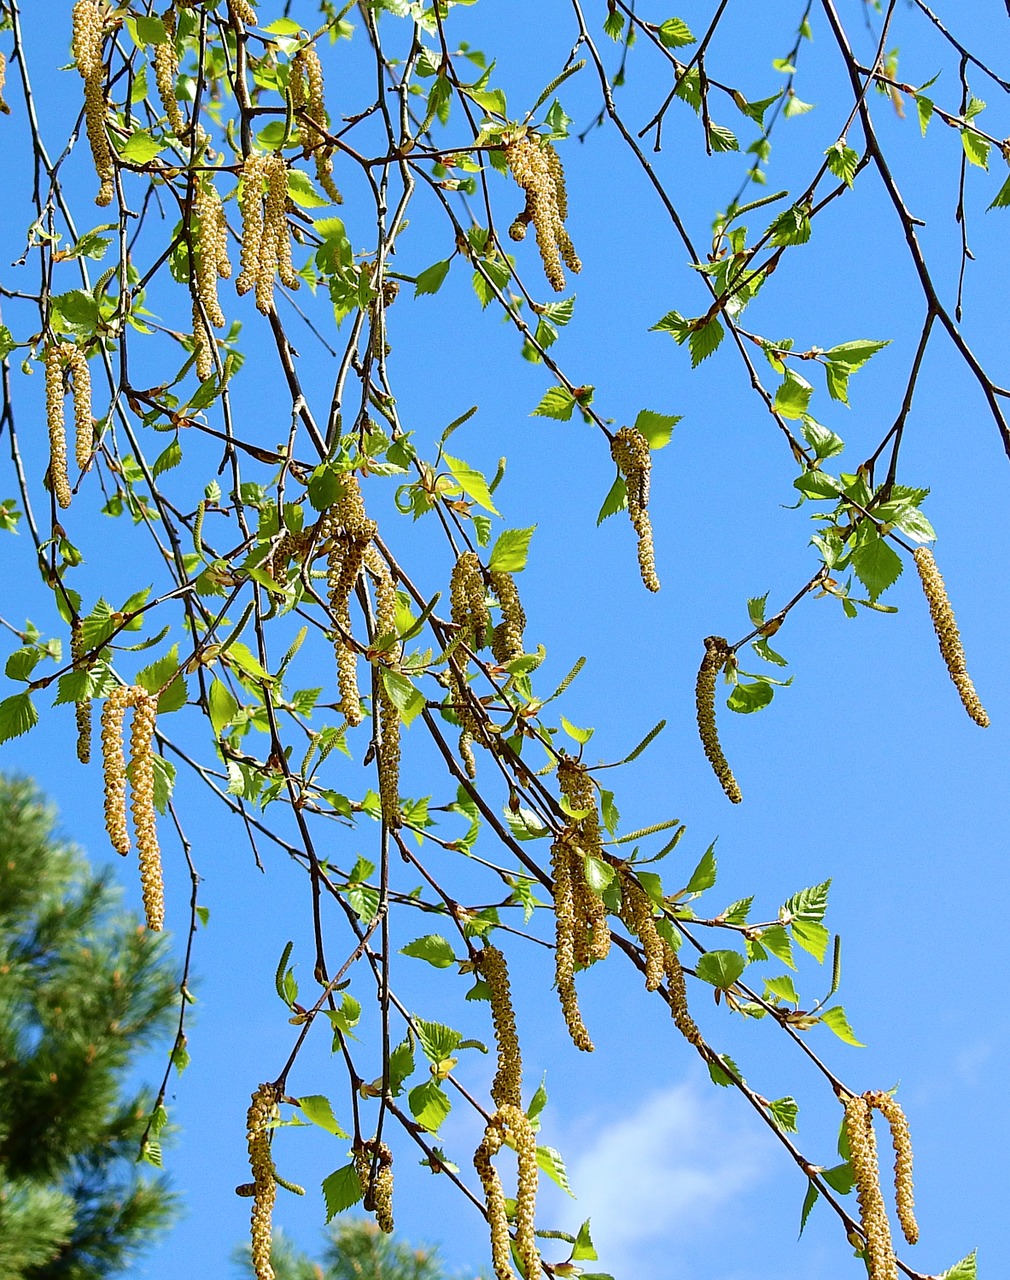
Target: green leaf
x=674 y=33
x=795 y=106
x=431 y=279
x=317 y=1108
x=808 y=904
x=525 y=825
x=842 y=162
x=616 y=500
x=966 y=1269
x=812 y=937
x=584 y=1250
x=401 y=1066
x=241 y=656
x=719 y=1069
x=704 y=341
x=783 y=988
x=704 y=874
x=549 y=1159
x=784 y=1112
x=79 y=310
x=836 y=1020
x=790 y=227
x=17 y=716
x=472 y=482
x=876 y=565
x=341 y=1190
x=581 y=736
x=222 y=706
x=168 y=458
x=408 y=700
x=720 y=968
x=599 y=874
x=855 y=354
x=840 y=1178
x=558 y=403
x=437 y=1041
x=510 y=551
x=748 y=697
x=1002 y=197
x=159 y=674
x=793 y=396
x=302 y=191
x=656 y=427
x=975 y=148
x=22 y=663
x=428 y=1105
x=924 y=107
x=325 y=486
x=776 y=940
x=164 y=781
x=433 y=948
x=141 y=147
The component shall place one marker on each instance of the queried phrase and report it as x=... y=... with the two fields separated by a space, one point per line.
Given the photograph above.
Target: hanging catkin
x=583 y=839
x=62 y=356
x=377 y=1188
x=507 y=1086
x=630 y=450
x=88 y=20
x=389 y=716
x=536 y=167
x=307 y=100
x=637 y=914
x=266 y=246
x=347 y=531
x=945 y=626
x=717 y=653
x=507 y=637
x=114 y=766
x=262 y=1111
x=677 y=989
x=166 y=68
x=209 y=242
x=564 y=942
x=890 y=1108
x=82 y=708
x=510 y=1122
x=873 y=1215
x=145 y=715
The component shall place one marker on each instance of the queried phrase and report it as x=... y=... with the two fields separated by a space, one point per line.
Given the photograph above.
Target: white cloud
x=663 y=1176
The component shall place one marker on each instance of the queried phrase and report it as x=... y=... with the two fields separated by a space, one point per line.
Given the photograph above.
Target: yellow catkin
x=348 y=532
x=242 y=10
x=945 y=625
x=389 y=716
x=584 y=839
x=890 y=1108
x=82 y=708
x=251 y=206
x=677 y=990
x=468 y=600
x=114 y=766
x=84 y=425
x=3 y=82
x=637 y=914
x=275 y=245
x=510 y=1122
x=630 y=450
x=536 y=167
x=57 y=425
x=88 y=19
x=144 y=821
x=873 y=1215
x=262 y=1111
x=507 y=1086
x=166 y=68
x=717 y=651
x=209 y=243
x=507 y=638
x=377 y=1187
x=564 y=948
x=307 y=100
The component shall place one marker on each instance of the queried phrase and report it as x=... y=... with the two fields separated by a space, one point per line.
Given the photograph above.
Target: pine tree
x=355 y=1249
x=84 y=988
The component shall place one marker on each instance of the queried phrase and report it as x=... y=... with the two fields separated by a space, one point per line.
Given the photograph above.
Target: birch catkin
x=389 y=716
x=262 y=1111
x=209 y=242
x=536 y=167
x=945 y=626
x=564 y=948
x=637 y=914
x=717 y=651
x=507 y=637
x=349 y=532
x=890 y=1108
x=88 y=20
x=61 y=356
x=166 y=68
x=583 y=840
x=873 y=1215
x=307 y=99
x=677 y=990
x=507 y=1086
x=630 y=450
x=144 y=822
x=114 y=766
x=377 y=1187
x=510 y=1122
x=82 y=708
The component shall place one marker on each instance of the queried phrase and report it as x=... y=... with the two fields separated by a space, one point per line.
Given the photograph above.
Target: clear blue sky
x=865 y=770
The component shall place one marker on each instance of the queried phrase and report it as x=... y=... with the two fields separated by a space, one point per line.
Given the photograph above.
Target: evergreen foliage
x=83 y=989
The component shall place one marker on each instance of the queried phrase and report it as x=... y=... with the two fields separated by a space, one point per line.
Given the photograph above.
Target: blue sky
x=865 y=770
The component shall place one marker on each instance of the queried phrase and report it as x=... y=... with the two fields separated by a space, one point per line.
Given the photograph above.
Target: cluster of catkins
x=630 y=450
x=88 y=37
x=582 y=933
x=374 y=1163
x=945 y=625
x=166 y=68
x=60 y=357
x=309 y=107
x=266 y=243
x=472 y=619
x=210 y=251
x=508 y=1124
x=717 y=654
x=141 y=774
x=536 y=167
x=863 y=1152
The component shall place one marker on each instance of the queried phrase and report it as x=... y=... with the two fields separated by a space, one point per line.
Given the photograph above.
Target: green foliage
x=85 y=991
